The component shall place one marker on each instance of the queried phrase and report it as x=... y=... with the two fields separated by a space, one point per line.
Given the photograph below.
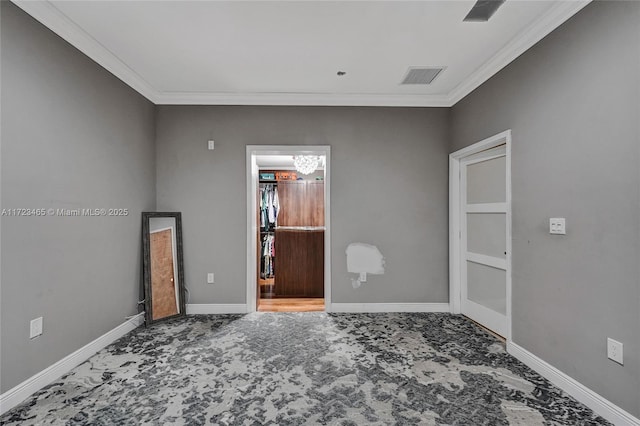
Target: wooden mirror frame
x=146 y=256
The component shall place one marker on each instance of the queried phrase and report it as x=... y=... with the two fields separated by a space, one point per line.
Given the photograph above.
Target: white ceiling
x=288 y=53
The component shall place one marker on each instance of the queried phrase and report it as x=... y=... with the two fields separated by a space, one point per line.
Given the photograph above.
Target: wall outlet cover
x=35 y=328
x=210 y=278
x=614 y=351
x=557 y=225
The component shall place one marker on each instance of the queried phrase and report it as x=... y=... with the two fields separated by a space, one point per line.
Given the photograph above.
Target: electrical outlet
x=211 y=144
x=557 y=225
x=36 y=328
x=614 y=351
x=210 y=278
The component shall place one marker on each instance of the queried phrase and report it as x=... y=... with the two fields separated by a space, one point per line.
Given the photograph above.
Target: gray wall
x=73 y=136
x=573 y=104
x=388 y=188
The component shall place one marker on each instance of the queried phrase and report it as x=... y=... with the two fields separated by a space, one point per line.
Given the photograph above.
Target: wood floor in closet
x=291 y=305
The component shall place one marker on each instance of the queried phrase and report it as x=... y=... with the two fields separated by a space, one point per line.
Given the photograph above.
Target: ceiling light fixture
x=306 y=164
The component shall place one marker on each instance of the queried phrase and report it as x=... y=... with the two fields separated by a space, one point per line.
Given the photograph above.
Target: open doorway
x=288 y=229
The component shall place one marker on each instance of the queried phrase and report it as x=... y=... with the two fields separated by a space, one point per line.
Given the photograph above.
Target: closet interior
x=291 y=240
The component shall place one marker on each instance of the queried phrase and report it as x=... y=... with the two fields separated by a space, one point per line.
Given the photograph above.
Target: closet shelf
x=294 y=228
x=301 y=228
x=276 y=182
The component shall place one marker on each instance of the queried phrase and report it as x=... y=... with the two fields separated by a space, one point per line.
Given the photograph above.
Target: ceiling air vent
x=421 y=75
x=483 y=10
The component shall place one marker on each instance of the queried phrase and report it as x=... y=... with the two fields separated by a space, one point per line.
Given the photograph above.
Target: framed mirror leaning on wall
x=163 y=272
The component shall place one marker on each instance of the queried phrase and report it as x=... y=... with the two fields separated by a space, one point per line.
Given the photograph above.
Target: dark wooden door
x=299 y=263
x=301 y=203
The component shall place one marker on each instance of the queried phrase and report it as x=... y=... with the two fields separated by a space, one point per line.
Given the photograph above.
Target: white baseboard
x=212 y=308
x=597 y=403
x=390 y=307
x=230 y=308
x=19 y=393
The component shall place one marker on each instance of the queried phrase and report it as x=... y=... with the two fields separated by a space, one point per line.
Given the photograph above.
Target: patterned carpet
x=304 y=368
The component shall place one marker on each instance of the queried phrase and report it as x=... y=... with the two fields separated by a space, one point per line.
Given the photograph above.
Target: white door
x=483 y=238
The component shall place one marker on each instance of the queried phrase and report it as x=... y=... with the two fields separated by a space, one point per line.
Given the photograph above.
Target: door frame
x=456 y=188
x=252 y=213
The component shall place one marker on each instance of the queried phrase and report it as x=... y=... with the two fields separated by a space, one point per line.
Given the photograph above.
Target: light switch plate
x=614 y=351
x=210 y=278
x=557 y=225
x=35 y=328
x=211 y=144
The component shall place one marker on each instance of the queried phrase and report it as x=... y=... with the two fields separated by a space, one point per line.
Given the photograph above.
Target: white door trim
x=252 y=213
x=455 y=217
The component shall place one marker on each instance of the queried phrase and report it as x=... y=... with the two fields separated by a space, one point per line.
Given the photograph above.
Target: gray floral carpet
x=304 y=368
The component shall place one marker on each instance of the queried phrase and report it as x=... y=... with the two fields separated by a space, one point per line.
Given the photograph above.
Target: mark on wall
x=363 y=259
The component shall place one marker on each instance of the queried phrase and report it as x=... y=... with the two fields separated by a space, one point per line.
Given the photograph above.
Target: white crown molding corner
x=591 y=399
x=301 y=99
x=22 y=391
x=211 y=308
x=51 y=17
x=389 y=307
x=552 y=19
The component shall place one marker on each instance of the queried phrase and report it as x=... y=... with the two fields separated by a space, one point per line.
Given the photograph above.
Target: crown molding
x=302 y=99
x=51 y=17
x=549 y=21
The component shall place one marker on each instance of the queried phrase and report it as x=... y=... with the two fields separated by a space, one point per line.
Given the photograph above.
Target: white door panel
x=485 y=285
x=487 y=234
x=486 y=181
x=483 y=234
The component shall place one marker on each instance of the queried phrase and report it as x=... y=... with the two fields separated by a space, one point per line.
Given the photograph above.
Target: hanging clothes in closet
x=269 y=207
x=268 y=254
